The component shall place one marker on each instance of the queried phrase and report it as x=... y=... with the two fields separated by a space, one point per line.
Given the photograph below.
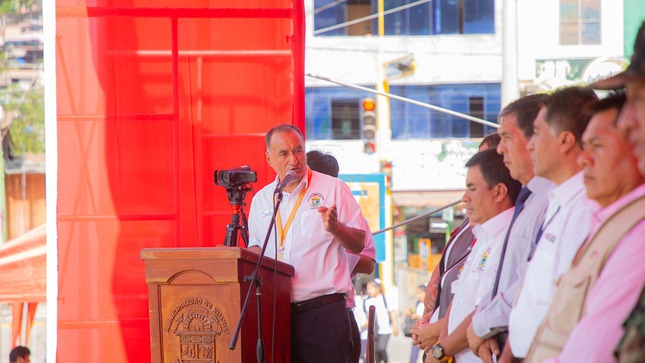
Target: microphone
x=288 y=178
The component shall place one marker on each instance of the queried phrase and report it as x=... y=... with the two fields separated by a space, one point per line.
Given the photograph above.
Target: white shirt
x=319 y=261
x=478 y=274
x=493 y=315
x=381 y=314
x=567 y=224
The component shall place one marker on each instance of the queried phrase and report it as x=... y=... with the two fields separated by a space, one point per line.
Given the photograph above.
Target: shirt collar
x=539 y=185
x=602 y=214
x=305 y=180
x=494 y=225
x=564 y=193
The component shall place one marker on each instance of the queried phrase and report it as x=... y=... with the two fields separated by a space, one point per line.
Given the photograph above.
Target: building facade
x=469 y=56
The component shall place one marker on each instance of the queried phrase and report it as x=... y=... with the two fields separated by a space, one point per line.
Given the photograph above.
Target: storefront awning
x=23 y=267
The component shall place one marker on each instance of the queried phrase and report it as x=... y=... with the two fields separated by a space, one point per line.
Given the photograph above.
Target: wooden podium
x=196 y=295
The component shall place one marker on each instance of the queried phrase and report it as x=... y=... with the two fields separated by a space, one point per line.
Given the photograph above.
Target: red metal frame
x=152 y=97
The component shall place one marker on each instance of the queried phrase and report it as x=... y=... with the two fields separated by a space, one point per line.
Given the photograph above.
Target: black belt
x=298 y=307
x=501 y=339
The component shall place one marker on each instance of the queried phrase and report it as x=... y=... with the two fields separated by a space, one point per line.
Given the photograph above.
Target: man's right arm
x=493 y=316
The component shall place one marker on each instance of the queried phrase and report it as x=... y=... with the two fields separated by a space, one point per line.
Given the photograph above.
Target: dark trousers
x=356 y=337
x=321 y=334
x=380 y=348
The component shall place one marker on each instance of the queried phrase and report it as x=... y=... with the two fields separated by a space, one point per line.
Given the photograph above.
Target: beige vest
x=569 y=302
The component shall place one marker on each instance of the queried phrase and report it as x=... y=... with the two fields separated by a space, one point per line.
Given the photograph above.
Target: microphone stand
x=256 y=280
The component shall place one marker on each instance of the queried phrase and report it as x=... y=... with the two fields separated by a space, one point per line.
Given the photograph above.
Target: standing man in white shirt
x=555 y=147
x=318 y=220
x=489 y=199
x=489 y=327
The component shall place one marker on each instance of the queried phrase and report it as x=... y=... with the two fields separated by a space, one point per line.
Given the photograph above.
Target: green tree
x=12 y=6
x=28 y=126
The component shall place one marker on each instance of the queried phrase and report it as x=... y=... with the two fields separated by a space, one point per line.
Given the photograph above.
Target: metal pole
x=424 y=215
x=23 y=220
x=510 y=85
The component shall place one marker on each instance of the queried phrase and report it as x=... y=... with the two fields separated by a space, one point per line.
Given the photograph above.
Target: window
x=416 y=20
x=476 y=109
x=464 y=17
x=579 y=22
x=334 y=112
x=329 y=13
x=429 y=18
x=478 y=17
x=345 y=124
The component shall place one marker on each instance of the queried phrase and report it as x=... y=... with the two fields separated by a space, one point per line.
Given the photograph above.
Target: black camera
x=236 y=176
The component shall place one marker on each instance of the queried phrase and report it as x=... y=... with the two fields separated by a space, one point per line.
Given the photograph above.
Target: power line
x=424 y=215
x=369 y=17
x=404 y=99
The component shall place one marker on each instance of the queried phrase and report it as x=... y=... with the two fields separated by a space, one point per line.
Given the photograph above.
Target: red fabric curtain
x=152 y=97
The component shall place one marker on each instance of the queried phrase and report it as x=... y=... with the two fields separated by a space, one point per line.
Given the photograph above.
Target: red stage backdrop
x=152 y=97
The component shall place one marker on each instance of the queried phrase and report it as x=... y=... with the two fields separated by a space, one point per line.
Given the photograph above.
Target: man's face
x=24 y=360
x=610 y=169
x=543 y=147
x=632 y=119
x=513 y=147
x=287 y=152
x=478 y=197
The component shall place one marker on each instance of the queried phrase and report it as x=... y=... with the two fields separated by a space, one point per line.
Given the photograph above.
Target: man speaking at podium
x=318 y=220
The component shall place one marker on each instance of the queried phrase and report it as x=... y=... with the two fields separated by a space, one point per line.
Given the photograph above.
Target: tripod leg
x=231 y=236
x=231 y=231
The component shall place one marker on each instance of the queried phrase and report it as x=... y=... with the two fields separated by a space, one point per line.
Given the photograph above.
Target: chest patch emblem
x=316 y=200
x=482 y=262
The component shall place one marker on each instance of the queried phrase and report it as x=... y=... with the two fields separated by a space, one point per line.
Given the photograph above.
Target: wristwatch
x=437 y=352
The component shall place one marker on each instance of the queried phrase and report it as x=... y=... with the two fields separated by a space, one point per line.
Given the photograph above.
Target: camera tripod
x=236 y=195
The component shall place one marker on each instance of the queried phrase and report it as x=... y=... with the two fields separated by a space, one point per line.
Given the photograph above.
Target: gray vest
x=459 y=252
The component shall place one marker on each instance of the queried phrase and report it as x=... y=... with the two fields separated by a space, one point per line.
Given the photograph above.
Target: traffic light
x=369 y=125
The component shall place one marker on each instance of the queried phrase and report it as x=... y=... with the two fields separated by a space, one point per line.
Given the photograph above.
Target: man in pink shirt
x=612 y=180
x=632 y=346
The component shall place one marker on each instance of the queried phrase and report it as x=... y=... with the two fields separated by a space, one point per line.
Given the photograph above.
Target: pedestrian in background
x=385 y=319
x=414 y=314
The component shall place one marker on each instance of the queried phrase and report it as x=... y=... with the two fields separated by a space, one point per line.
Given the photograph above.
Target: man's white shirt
x=319 y=261
x=566 y=226
x=478 y=274
x=493 y=313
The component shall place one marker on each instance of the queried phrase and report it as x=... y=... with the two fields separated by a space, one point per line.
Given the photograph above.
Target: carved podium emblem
x=196 y=324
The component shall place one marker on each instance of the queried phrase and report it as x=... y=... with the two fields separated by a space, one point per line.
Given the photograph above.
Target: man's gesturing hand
x=329 y=217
